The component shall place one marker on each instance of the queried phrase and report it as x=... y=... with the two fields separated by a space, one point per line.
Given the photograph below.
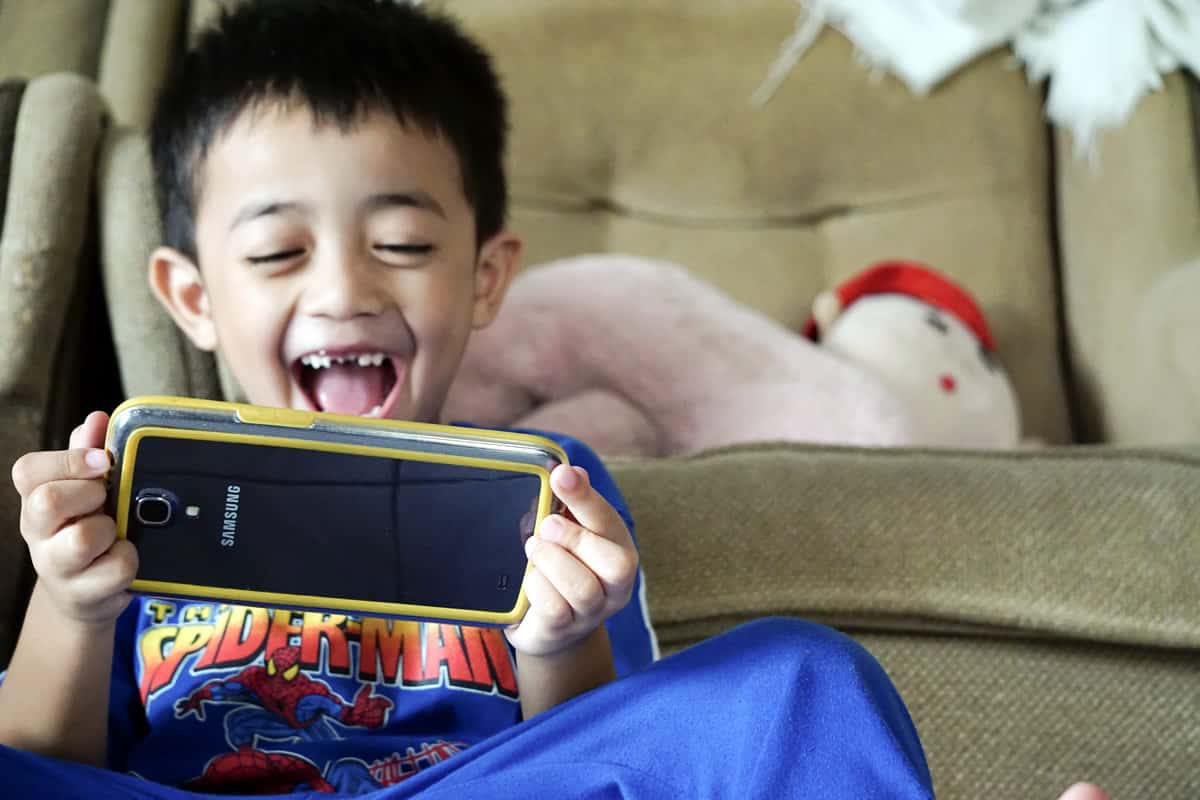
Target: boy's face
x=338 y=269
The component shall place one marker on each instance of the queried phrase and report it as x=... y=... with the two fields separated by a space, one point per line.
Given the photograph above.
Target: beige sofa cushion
x=1025 y=718
x=1039 y=612
x=129 y=232
x=633 y=131
x=126 y=45
x=140 y=39
x=1131 y=274
x=40 y=37
x=42 y=258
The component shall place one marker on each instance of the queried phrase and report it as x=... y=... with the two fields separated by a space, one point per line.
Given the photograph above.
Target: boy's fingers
x=571 y=579
x=588 y=506
x=613 y=563
x=546 y=606
x=102 y=587
x=109 y=575
x=75 y=547
x=52 y=504
x=35 y=469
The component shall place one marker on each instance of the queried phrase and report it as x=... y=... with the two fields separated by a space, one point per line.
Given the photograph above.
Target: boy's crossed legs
x=775 y=708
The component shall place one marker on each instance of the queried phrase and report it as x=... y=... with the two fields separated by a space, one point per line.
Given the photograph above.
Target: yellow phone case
x=278 y=481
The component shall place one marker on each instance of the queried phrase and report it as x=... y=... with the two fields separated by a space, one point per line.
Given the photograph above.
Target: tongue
x=346 y=389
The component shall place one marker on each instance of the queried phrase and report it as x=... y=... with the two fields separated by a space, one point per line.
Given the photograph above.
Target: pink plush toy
x=926 y=339
x=639 y=357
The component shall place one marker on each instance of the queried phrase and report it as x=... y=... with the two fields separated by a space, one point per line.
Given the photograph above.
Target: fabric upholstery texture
x=1039 y=610
x=1025 y=718
x=39 y=37
x=130 y=230
x=1027 y=542
x=140 y=40
x=14 y=571
x=1131 y=295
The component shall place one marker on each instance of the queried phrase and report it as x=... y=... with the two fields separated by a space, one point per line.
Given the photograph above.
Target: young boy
x=330 y=177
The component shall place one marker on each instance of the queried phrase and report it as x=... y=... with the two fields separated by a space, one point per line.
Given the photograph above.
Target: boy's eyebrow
x=256 y=210
x=415 y=198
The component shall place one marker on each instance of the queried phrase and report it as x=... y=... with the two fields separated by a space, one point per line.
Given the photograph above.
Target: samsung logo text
x=233 y=495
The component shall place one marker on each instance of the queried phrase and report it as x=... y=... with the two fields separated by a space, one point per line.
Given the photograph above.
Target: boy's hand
x=582 y=571
x=72 y=542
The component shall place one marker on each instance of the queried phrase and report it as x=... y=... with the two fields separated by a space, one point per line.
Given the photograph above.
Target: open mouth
x=355 y=383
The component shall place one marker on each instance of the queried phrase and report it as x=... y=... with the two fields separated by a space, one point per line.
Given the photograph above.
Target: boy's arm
x=583 y=568
x=54 y=699
x=546 y=681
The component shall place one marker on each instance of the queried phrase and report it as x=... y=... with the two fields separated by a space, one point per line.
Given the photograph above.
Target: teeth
x=321 y=360
x=315 y=360
x=375 y=412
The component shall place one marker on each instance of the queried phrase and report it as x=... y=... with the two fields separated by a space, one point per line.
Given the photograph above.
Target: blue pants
x=775 y=708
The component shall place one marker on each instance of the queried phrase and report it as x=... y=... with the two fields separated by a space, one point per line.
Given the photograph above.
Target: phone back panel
x=290 y=520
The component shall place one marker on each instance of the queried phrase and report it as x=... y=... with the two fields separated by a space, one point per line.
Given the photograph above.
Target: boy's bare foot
x=1084 y=791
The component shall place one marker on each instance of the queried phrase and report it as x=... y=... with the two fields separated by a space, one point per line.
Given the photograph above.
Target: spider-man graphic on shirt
x=279 y=703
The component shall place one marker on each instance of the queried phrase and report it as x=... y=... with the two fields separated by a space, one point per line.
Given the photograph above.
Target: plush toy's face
x=956 y=391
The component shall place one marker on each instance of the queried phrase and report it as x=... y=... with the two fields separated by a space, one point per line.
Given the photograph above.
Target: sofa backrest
x=634 y=130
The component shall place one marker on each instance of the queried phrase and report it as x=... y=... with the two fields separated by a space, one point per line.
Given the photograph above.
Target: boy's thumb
x=1084 y=791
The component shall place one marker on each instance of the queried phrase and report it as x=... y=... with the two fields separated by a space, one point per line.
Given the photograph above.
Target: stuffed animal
x=639 y=357
x=924 y=336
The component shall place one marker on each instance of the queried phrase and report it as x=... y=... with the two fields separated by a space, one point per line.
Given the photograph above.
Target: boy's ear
x=176 y=282
x=499 y=258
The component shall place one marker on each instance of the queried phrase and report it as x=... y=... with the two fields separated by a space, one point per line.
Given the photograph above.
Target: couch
x=1039 y=610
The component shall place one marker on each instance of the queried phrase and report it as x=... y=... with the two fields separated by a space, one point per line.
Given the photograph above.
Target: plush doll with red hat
x=639 y=357
x=925 y=337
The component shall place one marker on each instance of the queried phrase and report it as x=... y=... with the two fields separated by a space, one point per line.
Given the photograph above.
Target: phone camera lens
x=152 y=510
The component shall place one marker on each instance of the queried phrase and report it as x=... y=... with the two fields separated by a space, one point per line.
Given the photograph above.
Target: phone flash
x=192 y=511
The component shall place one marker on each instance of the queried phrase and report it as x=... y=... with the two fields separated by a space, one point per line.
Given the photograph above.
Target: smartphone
x=275 y=507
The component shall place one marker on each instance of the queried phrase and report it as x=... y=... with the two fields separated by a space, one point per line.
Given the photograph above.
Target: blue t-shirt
x=227 y=698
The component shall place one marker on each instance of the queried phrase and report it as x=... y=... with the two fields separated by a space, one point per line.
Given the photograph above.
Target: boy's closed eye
x=280 y=255
x=402 y=254
x=400 y=249
x=407 y=249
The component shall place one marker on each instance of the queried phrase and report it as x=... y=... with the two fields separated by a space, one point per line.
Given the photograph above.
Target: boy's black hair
x=341 y=59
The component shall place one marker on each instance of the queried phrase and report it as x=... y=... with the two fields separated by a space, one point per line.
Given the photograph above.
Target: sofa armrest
x=1039 y=611
x=45 y=263
x=1097 y=544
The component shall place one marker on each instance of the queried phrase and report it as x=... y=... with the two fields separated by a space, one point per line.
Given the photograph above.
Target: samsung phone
x=284 y=508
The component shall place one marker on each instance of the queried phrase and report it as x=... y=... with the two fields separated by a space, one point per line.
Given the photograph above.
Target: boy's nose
x=342 y=287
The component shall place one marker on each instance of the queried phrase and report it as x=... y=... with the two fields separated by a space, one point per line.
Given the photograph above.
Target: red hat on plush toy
x=917 y=281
